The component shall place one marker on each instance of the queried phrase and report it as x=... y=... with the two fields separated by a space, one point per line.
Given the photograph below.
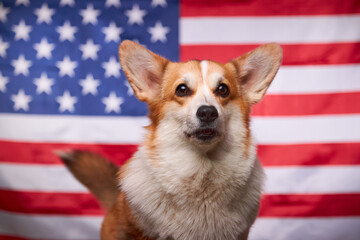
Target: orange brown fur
x=120 y=223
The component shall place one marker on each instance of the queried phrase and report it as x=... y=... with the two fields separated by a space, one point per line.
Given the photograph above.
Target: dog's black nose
x=207 y=113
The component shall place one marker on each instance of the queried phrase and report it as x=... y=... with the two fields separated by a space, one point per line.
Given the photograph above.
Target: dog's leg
x=110 y=227
x=245 y=235
x=120 y=224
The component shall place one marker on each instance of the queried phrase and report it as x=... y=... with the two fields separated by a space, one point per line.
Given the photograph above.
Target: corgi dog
x=196 y=175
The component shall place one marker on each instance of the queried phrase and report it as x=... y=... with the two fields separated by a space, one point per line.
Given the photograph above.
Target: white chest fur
x=208 y=200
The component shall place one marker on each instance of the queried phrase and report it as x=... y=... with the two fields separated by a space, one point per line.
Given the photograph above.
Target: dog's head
x=200 y=101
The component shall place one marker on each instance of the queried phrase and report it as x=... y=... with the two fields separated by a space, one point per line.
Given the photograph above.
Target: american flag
x=61 y=87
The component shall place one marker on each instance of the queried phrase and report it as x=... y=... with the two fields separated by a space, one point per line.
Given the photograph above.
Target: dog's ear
x=143 y=68
x=256 y=70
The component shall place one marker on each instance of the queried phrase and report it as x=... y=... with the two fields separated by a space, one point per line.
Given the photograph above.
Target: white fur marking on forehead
x=204 y=68
x=204 y=65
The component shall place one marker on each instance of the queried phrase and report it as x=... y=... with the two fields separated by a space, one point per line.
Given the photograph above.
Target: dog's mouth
x=204 y=135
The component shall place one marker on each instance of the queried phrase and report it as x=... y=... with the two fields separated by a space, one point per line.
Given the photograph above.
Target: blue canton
x=61 y=56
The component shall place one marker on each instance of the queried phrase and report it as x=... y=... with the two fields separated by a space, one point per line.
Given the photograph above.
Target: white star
x=3 y=12
x=66 y=67
x=63 y=3
x=3 y=81
x=89 y=50
x=112 y=103
x=21 y=65
x=130 y=91
x=89 y=85
x=135 y=15
x=43 y=84
x=67 y=32
x=158 y=32
x=3 y=47
x=89 y=14
x=115 y=3
x=112 y=68
x=155 y=3
x=66 y=102
x=112 y=32
x=44 y=49
x=22 y=31
x=24 y=2
x=44 y=14
x=21 y=100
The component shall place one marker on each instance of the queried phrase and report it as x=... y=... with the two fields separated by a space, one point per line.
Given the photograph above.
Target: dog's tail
x=95 y=172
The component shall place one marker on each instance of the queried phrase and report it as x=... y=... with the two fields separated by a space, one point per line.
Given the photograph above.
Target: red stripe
x=271 y=205
x=308 y=104
x=199 y=8
x=7 y=237
x=328 y=205
x=294 y=54
x=43 y=153
x=310 y=154
x=49 y=203
x=270 y=155
x=4 y=237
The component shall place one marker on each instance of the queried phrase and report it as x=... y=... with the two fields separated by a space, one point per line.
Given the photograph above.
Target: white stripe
x=49 y=178
x=88 y=228
x=50 y=227
x=242 y=30
x=122 y=130
x=307 y=129
x=339 y=179
x=42 y=178
x=72 y=129
x=306 y=228
x=316 y=79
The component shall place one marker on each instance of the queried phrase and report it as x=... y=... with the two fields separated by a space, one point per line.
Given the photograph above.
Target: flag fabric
x=61 y=87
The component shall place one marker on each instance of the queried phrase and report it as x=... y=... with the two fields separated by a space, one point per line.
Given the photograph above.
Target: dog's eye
x=182 y=90
x=222 y=90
